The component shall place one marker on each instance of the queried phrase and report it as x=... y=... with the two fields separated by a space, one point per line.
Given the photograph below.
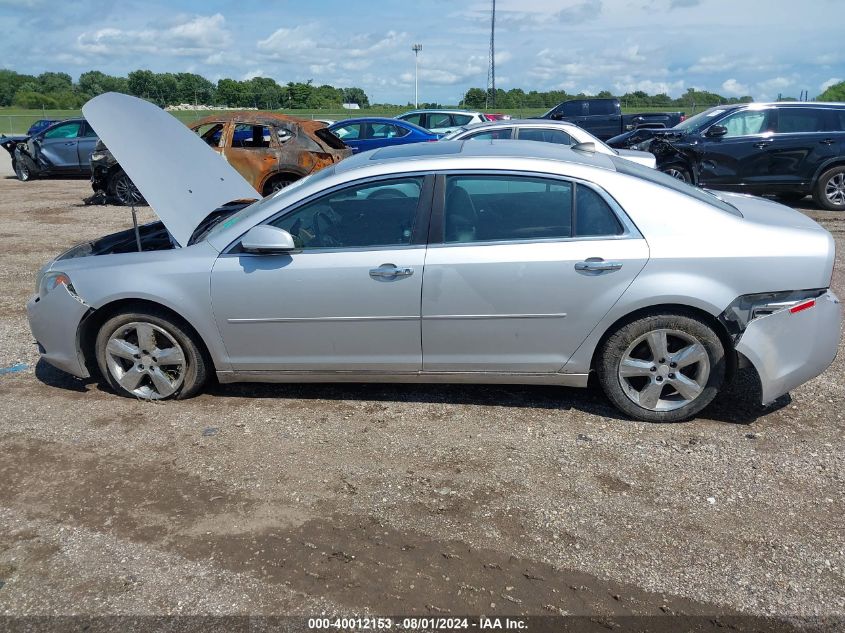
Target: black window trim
x=437 y=224
x=419 y=236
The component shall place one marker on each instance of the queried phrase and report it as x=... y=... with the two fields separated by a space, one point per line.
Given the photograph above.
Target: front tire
x=124 y=190
x=829 y=192
x=662 y=367
x=25 y=169
x=151 y=356
x=679 y=172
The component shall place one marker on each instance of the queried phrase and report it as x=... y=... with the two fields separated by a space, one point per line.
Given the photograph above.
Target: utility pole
x=416 y=48
x=490 y=101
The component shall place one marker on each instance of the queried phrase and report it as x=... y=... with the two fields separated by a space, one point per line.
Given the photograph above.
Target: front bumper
x=54 y=321
x=788 y=349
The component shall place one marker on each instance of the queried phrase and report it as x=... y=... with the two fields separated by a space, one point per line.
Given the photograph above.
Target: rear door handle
x=390 y=271
x=762 y=144
x=597 y=265
x=828 y=141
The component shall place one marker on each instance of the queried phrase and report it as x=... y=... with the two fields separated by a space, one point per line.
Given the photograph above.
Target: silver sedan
x=546 y=131
x=507 y=262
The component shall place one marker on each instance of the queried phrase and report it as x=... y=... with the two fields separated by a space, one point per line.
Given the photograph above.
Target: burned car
x=62 y=149
x=269 y=150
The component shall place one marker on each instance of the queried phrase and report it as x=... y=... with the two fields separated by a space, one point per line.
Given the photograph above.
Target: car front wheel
x=662 y=368
x=830 y=189
x=677 y=171
x=124 y=190
x=24 y=169
x=150 y=356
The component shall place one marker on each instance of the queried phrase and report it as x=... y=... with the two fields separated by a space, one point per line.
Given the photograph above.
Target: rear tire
x=829 y=192
x=662 y=368
x=151 y=356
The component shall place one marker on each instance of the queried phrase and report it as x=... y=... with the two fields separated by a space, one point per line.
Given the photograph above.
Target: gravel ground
x=269 y=499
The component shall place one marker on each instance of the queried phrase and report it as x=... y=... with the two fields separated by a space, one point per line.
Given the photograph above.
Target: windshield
x=273 y=199
x=700 y=120
x=631 y=168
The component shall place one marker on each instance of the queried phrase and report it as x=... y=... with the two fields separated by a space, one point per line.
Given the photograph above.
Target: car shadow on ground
x=738 y=404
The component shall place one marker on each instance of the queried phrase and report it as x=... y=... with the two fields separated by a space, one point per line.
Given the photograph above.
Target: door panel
x=253 y=152
x=518 y=307
x=319 y=310
x=738 y=160
x=59 y=146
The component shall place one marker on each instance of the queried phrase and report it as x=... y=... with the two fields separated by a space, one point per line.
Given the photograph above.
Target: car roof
x=258 y=117
x=441 y=111
x=520 y=122
x=458 y=151
x=381 y=119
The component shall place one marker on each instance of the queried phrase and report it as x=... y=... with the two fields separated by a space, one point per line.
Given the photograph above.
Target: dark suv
x=787 y=149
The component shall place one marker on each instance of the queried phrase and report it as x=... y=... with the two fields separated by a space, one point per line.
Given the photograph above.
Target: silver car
x=546 y=131
x=505 y=262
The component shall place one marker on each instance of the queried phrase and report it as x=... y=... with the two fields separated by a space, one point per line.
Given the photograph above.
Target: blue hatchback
x=374 y=132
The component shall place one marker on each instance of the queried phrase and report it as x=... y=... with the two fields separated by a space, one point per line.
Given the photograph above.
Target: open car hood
x=181 y=177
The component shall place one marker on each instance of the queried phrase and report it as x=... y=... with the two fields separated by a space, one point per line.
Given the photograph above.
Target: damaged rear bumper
x=54 y=321
x=789 y=348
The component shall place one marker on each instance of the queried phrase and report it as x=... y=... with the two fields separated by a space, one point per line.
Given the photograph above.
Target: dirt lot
x=399 y=499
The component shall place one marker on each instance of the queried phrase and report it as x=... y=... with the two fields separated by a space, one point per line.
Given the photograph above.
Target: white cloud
x=830 y=82
x=201 y=35
x=252 y=74
x=733 y=88
x=775 y=83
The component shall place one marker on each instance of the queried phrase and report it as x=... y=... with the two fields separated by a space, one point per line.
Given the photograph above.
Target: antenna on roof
x=490 y=100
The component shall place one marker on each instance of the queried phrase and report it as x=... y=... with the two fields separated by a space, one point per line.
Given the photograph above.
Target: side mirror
x=587 y=146
x=716 y=131
x=267 y=239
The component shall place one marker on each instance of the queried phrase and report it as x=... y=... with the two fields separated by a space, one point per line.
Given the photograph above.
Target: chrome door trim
x=323 y=319
x=559 y=315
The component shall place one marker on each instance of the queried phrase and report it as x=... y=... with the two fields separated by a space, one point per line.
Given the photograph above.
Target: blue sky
x=733 y=47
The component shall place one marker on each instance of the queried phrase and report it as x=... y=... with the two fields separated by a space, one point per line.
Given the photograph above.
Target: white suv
x=442 y=121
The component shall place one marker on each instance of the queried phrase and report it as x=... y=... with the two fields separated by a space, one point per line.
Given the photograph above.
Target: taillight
x=804 y=305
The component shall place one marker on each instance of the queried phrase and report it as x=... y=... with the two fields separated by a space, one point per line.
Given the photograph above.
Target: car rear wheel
x=677 y=171
x=24 y=169
x=150 y=356
x=124 y=190
x=662 y=368
x=830 y=189
x=277 y=183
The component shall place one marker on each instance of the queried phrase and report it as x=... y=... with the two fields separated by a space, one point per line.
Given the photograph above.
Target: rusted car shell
x=295 y=148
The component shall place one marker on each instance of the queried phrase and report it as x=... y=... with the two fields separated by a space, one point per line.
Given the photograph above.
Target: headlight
x=51 y=280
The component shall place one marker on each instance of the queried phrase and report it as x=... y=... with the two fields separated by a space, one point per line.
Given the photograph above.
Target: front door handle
x=762 y=144
x=828 y=141
x=597 y=265
x=390 y=271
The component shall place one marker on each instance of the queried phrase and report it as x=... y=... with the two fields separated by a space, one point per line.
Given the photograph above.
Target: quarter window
x=461 y=119
x=368 y=215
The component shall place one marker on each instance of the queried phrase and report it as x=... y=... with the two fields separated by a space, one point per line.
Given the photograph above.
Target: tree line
x=59 y=91
x=516 y=98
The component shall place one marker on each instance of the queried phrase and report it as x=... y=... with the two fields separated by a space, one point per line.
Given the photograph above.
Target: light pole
x=416 y=48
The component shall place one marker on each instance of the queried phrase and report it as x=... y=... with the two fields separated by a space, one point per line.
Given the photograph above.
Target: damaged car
x=62 y=149
x=269 y=150
x=507 y=262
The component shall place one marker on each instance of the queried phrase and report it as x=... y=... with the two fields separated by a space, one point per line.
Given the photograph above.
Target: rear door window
x=249 y=136
x=602 y=107
x=439 y=120
x=792 y=120
x=544 y=135
x=351 y=132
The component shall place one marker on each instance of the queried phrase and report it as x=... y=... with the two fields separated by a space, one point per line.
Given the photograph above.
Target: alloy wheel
x=145 y=360
x=126 y=191
x=22 y=171
x=664 y=370
x=680 y=174
x=834 y=190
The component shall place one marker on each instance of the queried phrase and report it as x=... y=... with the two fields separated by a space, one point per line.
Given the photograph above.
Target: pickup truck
x=604 y=118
